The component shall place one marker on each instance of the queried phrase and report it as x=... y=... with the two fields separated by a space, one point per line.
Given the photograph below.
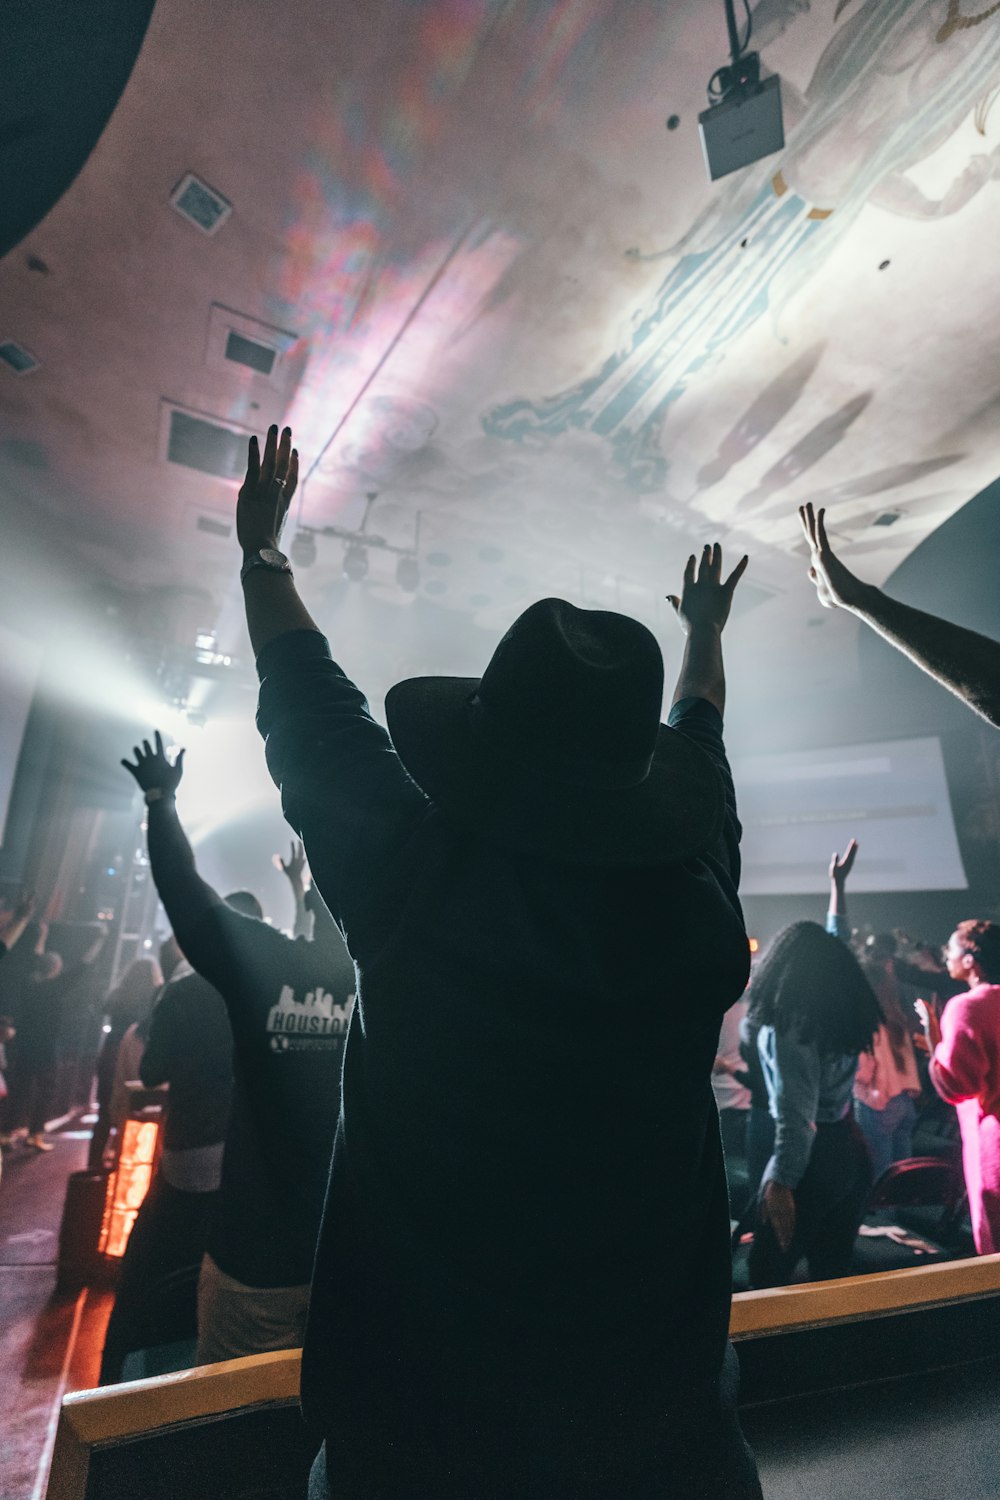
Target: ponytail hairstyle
x=810 y=982
x=982 y=940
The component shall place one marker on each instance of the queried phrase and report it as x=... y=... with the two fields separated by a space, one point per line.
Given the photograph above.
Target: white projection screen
x=20 y=660
x=796 y=808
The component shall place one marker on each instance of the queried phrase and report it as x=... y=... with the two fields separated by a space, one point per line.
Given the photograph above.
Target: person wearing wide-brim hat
x=522 y=1282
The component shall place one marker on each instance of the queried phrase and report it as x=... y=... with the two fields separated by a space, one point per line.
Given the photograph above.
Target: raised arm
x=342 y=784
x=67 y=979
x=12 y=925
x=293 y=868
x=272 y=602
x=185 y=896
x=966 y=663
x=702 y=610
x=841 y=866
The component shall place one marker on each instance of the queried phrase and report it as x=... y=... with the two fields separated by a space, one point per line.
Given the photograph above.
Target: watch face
x=273 y=558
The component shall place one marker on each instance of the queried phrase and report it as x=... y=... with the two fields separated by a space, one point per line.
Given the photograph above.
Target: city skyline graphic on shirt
x=317 y=1018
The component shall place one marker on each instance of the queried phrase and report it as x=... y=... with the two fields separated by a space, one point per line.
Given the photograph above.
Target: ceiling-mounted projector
x=743 y=120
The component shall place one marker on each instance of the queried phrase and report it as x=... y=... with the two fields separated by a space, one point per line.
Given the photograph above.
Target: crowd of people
x=439 y=1134
x=37 y=988
x=818 y=1082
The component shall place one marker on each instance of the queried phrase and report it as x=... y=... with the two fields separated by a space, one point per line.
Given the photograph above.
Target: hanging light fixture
x=356 y=562
x=303 y=549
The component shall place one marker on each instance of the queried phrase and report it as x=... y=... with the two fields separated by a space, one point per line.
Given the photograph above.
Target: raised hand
x=836 y=586
x=841 y=865
x=266 y=491
x=152 y=769
x=21 y=914
x=294 y=867
x=706 y=600
x=13 y=923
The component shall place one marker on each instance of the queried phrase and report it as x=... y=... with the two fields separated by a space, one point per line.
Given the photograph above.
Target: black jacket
x=524 y=1260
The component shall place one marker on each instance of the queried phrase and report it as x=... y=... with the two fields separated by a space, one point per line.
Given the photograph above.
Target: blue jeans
x=889 y=1131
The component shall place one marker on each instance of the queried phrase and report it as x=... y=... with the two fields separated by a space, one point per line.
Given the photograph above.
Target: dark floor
x=927 y=1437
x=49 y=1344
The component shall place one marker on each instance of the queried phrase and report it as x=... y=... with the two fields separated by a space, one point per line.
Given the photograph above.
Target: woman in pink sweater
x=964 y=1049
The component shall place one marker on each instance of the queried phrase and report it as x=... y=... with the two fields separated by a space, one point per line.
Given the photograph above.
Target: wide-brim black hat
x=558 y=750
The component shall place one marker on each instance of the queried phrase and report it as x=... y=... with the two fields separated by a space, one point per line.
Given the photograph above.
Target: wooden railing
x=97 y=1427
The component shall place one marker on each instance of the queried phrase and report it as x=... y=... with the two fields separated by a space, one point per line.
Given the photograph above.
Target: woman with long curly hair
x=817 y=1013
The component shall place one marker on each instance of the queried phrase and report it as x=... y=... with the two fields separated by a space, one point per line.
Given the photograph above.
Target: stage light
x=356 y=563
x=225 y=778
x=303 y=549
x=408 y=573
x=128 y=1184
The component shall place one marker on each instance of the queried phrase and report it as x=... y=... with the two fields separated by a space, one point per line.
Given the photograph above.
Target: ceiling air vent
x=258 y=350
x=200 y=443
x=200 y=204
x=17 y=358
x=243 y=351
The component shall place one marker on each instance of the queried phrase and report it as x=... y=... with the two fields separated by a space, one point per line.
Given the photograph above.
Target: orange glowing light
x=128 y=1184
x=754 y=945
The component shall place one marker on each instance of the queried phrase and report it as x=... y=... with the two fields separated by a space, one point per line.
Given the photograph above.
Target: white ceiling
x=520 y=309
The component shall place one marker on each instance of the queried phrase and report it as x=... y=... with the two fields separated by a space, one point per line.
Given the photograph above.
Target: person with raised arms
x=288 y=1001
x=523 y=1279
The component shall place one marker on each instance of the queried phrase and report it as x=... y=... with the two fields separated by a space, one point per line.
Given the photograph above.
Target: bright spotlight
x=356 y=563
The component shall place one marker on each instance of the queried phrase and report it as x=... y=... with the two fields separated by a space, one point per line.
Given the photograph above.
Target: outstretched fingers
x=283 y=455
x=824 y=545
x=270 y=458
x=737 y=572
x=292 y=478
x=253 y=464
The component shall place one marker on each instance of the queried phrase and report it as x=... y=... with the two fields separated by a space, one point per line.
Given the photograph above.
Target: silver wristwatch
x=269 y=558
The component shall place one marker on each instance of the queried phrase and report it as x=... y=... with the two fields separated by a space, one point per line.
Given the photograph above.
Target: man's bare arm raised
x=966 y=663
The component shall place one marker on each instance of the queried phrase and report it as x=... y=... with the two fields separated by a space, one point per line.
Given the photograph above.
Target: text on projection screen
x=798 y=807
